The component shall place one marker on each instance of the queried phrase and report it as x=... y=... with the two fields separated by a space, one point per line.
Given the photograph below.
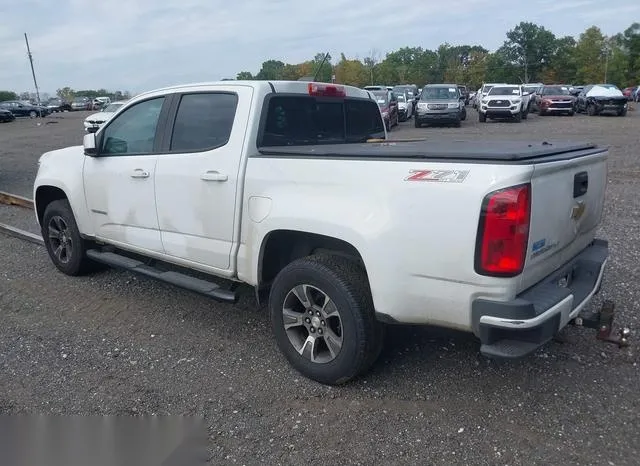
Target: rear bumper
x=513 y=329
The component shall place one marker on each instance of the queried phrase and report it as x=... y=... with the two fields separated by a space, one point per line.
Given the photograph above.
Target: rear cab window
x=298 y=119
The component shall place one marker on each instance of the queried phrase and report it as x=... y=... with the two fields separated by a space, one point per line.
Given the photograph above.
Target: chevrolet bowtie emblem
x=578 y=210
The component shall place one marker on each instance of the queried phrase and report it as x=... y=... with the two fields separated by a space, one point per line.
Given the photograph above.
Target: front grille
x=561 y=105
x=499 y=103
x=436 y=106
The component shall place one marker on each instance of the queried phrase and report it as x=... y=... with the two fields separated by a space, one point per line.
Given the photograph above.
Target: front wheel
x=482 y=117
x=464 y=114
x=622 y=112
x=323 y=318
x=62 y=239
x=591 y=110
x=33 y=114
x=416 y=123
x=518 y=117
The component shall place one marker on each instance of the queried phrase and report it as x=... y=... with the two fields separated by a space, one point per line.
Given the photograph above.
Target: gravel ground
x=114 y=343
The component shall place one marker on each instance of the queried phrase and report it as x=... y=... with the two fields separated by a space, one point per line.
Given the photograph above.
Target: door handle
x=139 y=173
x=213 y=175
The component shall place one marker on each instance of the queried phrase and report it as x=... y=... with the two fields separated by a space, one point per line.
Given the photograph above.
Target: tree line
x=67 y=94
x=530 y=53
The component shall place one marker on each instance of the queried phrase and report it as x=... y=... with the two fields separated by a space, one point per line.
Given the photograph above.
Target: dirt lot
x=113 y=343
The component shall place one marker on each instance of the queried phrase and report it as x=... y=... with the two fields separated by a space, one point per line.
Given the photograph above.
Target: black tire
x=344 y=281
x=622 y=112
x=482 y=117
x=571 y=113
x=464 y=114
x=525 y=115
x=542 y=113
x=416 y=123
x=75 y=262
x=33 y=114
x=457 y=124
x=518 y=117
x=591 y=110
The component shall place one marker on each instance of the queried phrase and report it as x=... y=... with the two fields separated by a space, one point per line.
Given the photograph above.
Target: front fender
x=63 y=170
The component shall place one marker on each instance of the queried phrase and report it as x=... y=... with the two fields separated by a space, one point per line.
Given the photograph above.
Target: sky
x=139 y=45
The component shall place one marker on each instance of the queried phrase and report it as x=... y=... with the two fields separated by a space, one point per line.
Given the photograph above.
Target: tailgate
x=566 y=207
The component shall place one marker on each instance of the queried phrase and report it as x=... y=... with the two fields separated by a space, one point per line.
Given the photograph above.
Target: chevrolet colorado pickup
x=291 y=188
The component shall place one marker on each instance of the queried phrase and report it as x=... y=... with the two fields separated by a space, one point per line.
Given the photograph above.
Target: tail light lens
x=503 y=232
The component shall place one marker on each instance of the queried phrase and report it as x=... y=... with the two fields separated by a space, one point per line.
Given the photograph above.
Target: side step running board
x=187 y=282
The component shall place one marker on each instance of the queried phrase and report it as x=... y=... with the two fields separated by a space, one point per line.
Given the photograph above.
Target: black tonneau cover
x=479 y=151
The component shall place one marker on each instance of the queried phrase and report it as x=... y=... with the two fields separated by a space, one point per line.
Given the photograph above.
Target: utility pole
x=33 y=73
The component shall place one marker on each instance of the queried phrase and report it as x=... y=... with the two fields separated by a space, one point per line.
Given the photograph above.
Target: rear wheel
x=518 y=117
x=323 y=318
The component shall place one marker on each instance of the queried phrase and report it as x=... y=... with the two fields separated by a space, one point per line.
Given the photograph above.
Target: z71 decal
x=439 y=176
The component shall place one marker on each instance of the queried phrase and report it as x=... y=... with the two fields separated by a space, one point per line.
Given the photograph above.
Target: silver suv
x=440 y=103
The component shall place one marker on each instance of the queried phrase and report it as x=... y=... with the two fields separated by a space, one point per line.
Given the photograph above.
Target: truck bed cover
x=469 y=151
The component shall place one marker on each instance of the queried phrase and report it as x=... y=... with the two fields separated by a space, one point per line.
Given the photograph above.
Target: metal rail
x=14 y=199
x=21 y=234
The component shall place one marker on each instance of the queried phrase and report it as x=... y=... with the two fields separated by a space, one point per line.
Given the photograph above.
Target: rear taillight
x=326 y=90
x=503 y=232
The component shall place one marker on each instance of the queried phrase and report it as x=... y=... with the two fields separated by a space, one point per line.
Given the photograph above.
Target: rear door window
x=306 y=120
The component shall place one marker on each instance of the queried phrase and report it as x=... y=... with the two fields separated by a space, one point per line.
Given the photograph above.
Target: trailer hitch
x=602 y=321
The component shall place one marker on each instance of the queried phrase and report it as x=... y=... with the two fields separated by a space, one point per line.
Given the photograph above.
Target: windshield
x=439 y=93
x=503 y=90
x=112 y=108
x=303 y=120
x=80 y=99
x=381 y=97
x=555 y=90
x=401 y=97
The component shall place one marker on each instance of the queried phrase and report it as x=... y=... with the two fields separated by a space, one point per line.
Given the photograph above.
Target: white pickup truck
x=286 y=187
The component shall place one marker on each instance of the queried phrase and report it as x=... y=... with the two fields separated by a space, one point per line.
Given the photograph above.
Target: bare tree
x=371 y=61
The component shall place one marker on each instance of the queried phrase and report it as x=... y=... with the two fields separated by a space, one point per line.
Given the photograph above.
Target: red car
x=555 y=99
x=628 y=92
x=388 y=104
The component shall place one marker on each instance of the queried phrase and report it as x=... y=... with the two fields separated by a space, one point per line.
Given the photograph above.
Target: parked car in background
x=6 y=115
x=628 y=92
x=58 y=105
x=555 y=99
x=576 y=90
x=101 y=102
x=412 y=91
x=388 y=104
x=440 y=104
x=482 y=92
x=503 y=101
x=81 y=103
x=602 y=98
x=405 y=104
x=464 y=93
x=94 y=121
x=375 y=88
x=636 y=94
x=21 y=108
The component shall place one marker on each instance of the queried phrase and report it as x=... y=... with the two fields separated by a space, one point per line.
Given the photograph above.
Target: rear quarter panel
x=417 y=238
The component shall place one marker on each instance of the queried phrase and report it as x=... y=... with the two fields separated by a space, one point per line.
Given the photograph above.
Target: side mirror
x=89 y=143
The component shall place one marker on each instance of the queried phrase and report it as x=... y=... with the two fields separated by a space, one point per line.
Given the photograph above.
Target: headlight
x=454 y=105
x=385 y=114
x=485 y=101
